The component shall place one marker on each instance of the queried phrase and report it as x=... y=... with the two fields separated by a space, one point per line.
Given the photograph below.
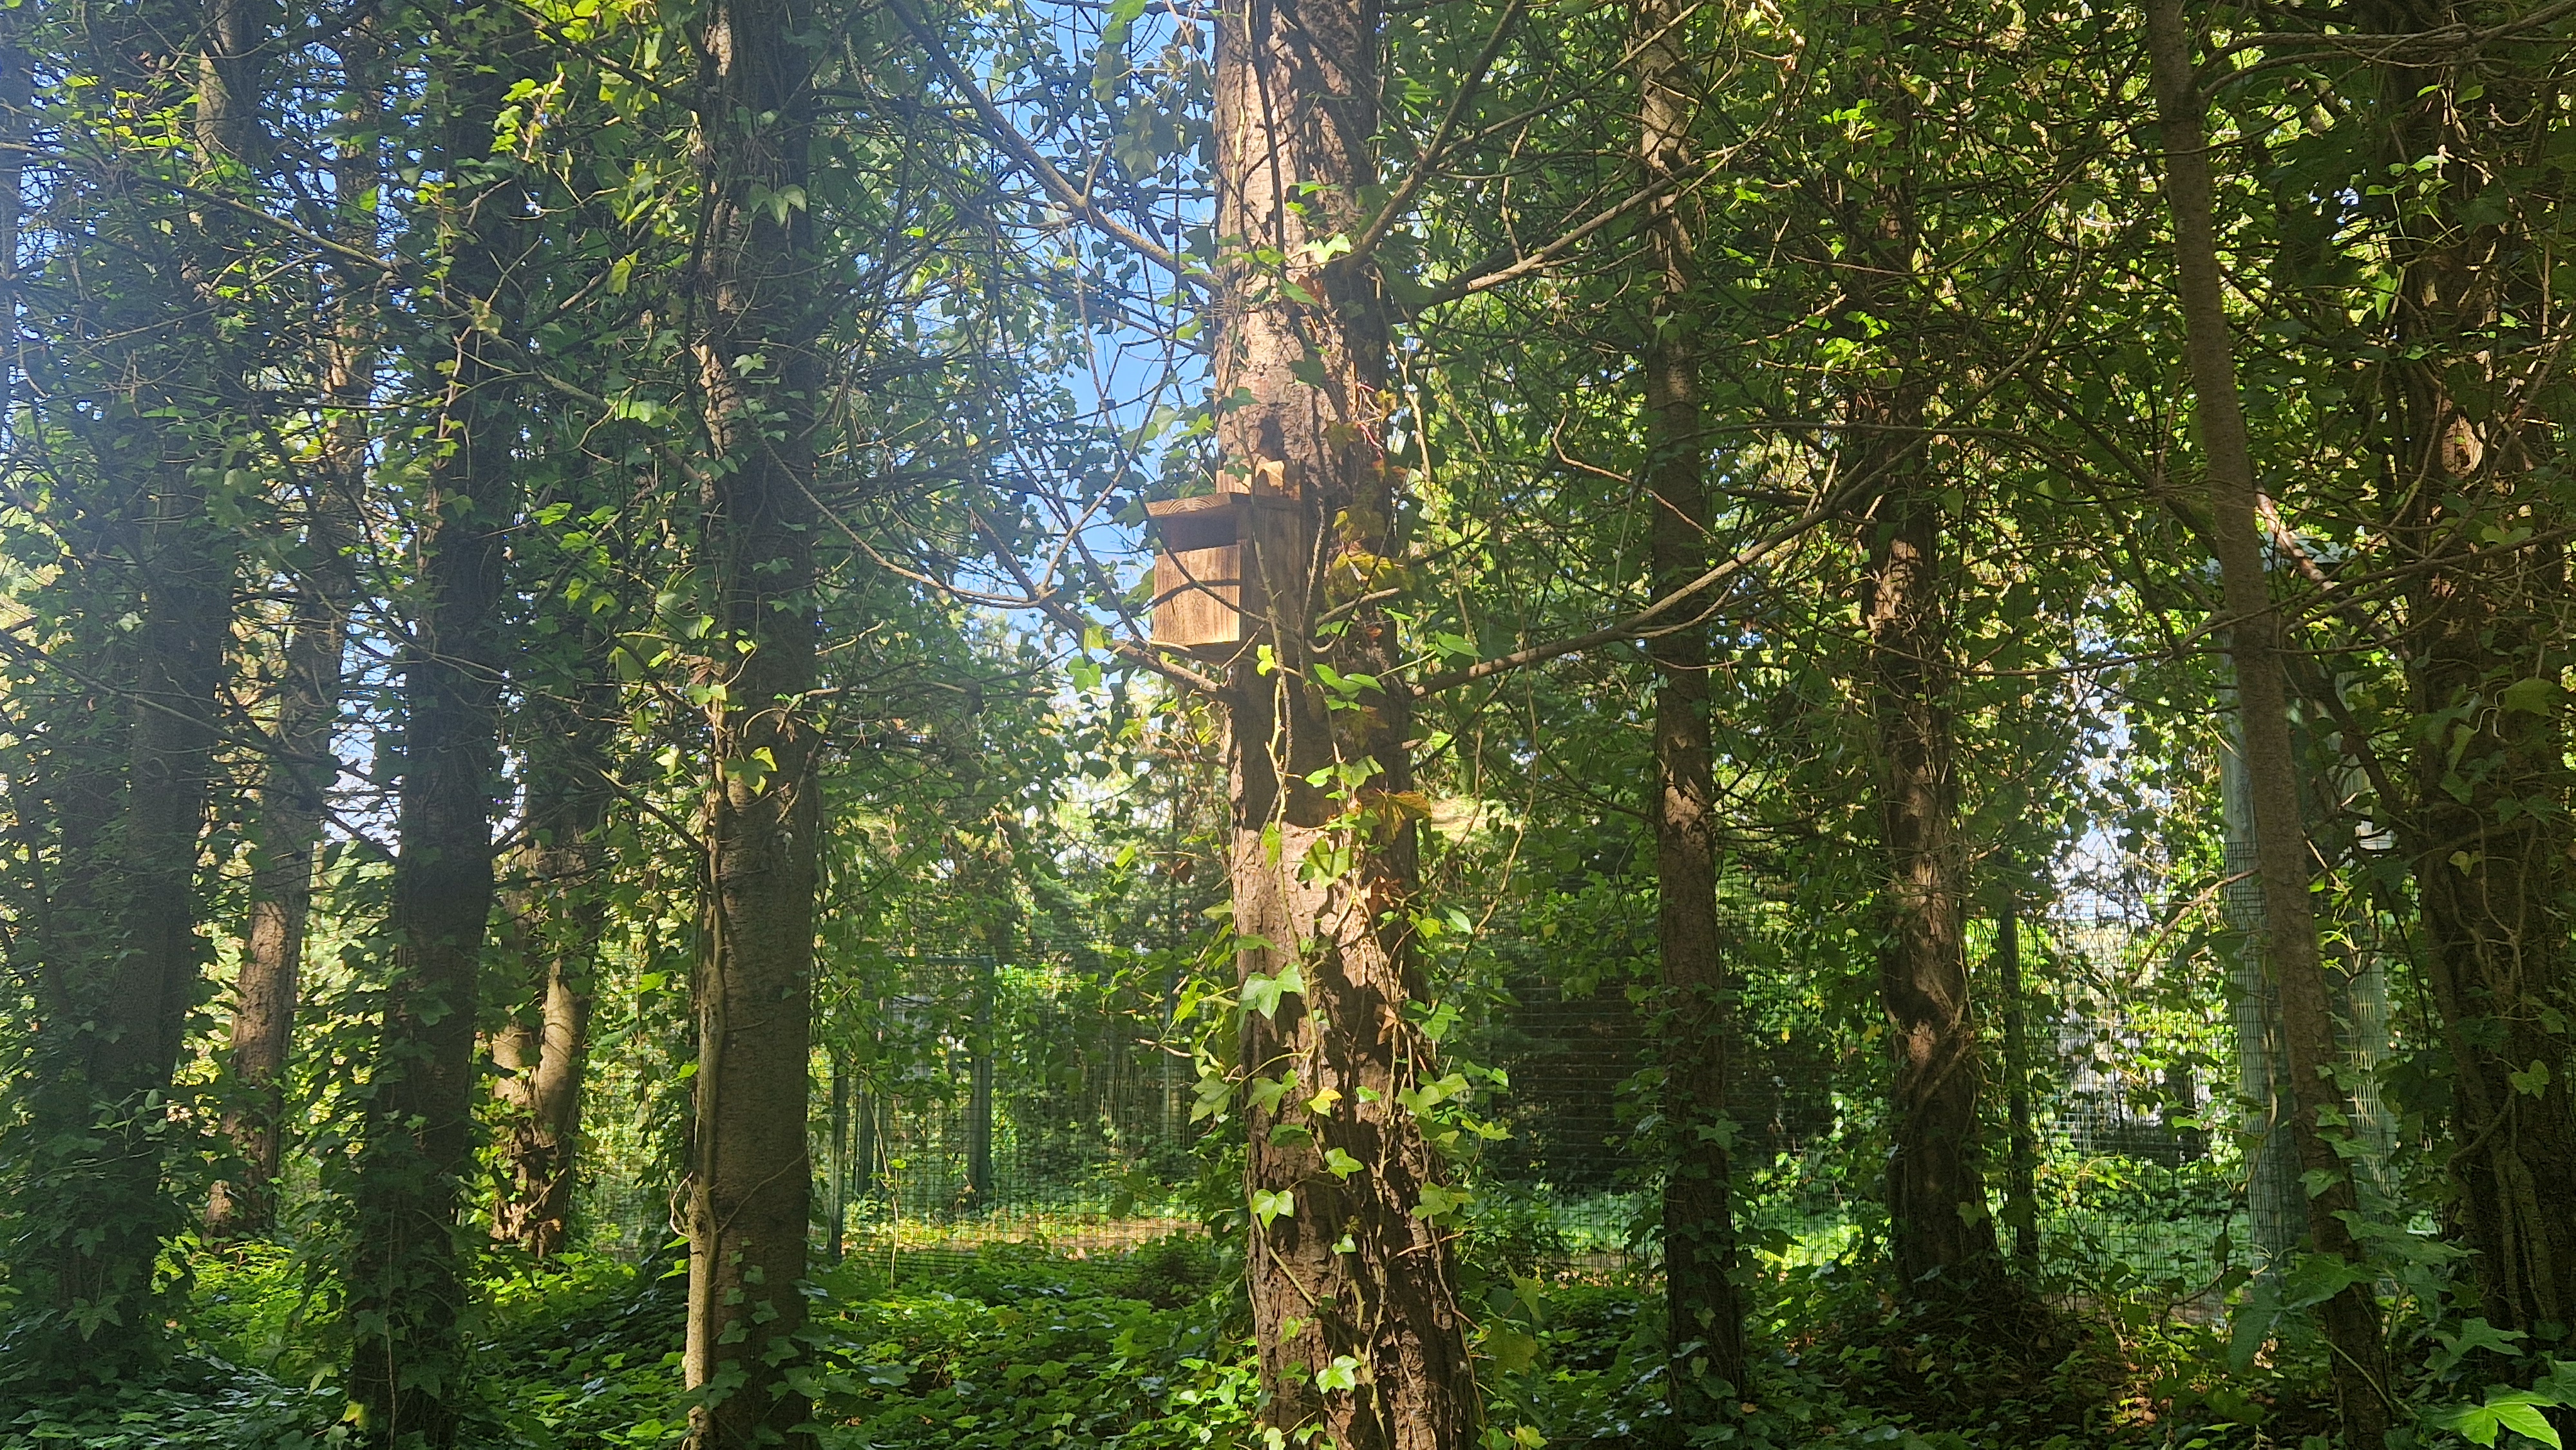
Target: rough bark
x=293 y=793
x=406 y=1282
x=1704 y=1308
x=2473 y=399
x=751 y=1184
x=1355 y=1307
x=554 y=915
x=1936 y=1193
x=2351 y=1318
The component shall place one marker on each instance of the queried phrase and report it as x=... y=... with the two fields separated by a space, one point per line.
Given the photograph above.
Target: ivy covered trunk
x=2476 y=503
x=759 y=378
x=2350 y=1318
x=1936 y=1192
x=1352 y=1274
x=1705 y=1310
x=406 y=1282
x=554 y=915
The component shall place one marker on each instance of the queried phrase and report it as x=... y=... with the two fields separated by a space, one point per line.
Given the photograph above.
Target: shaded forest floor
x=1019 y=1347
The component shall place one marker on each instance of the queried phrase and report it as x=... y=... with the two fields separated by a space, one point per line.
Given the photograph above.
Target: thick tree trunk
x=751 y=1184
x=2490 y=829
x=2351 y=1318
x=406 y=1283
x=293 y=794
x=1704 y=1308
x=1936 y=1194
x=555 y=914
x=1354 y=1302
x=131 y=992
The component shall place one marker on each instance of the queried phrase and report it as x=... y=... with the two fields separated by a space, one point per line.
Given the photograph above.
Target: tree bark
x=2351 y=1318
x=1936 y=1193
x=129 y=997
x=751 y=1183
x=1704 y=1308
x=1355 y=1308
x=2490 y=830
x=555 y=914
x=406 y=1283
x=293 y=794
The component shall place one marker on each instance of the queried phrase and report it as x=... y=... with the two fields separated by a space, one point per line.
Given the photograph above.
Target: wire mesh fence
x=981 y=1100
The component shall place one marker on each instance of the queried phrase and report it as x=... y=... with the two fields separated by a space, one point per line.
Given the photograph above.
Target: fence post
x=979 y=1102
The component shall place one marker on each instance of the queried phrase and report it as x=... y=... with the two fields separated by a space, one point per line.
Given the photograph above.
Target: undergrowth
x=1019 y=1347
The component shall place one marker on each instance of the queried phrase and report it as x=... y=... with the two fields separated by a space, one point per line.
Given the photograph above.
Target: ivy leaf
x=1267 y=1205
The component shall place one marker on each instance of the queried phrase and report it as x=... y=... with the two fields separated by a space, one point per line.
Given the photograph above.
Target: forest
x=1344 y=724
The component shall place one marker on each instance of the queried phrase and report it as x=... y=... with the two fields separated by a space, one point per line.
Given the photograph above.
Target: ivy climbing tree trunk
x=758 y=304
x=554 y=913
x=1936 y=1193
x=406 y=1280
x=2350 y=1318
x=1355 y=1307
x=1705 y=1310
x=2471 y=385
x=293 y=793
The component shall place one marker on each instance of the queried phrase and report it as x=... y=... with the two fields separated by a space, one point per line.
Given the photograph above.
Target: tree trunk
x=1936 y=1195
x=406 y=1283
x=293 y=794
x=1352 y=1278
x=1704 y=1309
x=555 y=914
x=2490 y=829
x=751 y=1183
x=2021 y=1170
x=2351 y=1318
x=132 y=991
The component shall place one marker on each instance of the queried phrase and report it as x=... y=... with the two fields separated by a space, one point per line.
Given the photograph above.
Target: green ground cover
x=1018 y=1345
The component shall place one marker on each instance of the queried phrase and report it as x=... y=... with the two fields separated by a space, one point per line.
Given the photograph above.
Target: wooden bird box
x=1208 y=595
x=1198 y=574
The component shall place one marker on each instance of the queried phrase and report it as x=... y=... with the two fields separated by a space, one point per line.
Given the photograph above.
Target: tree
x=405 y=1281
x=554 y=915
x=2471 y=506
x=293 y=794
x=759 y=301
x=1704 y=1309
x=2351 y=1315
x=1353 y=1295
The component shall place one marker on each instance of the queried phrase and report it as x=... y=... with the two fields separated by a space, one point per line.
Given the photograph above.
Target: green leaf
x=2315 y=1278
x=1511 y=1349
x=1261 y=994
x=1268 y=1205
x=2535 y=696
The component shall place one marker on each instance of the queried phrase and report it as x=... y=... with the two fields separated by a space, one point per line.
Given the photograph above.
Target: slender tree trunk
x=293 y=794
x=1354 y=1301
x=2351 y=1318
x=555 y=916
x=2485 y=639
x=1705 y=1311
x=1936 y=1195
x=751 y=1184
x=2021 y=1171
x=406 y=1284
